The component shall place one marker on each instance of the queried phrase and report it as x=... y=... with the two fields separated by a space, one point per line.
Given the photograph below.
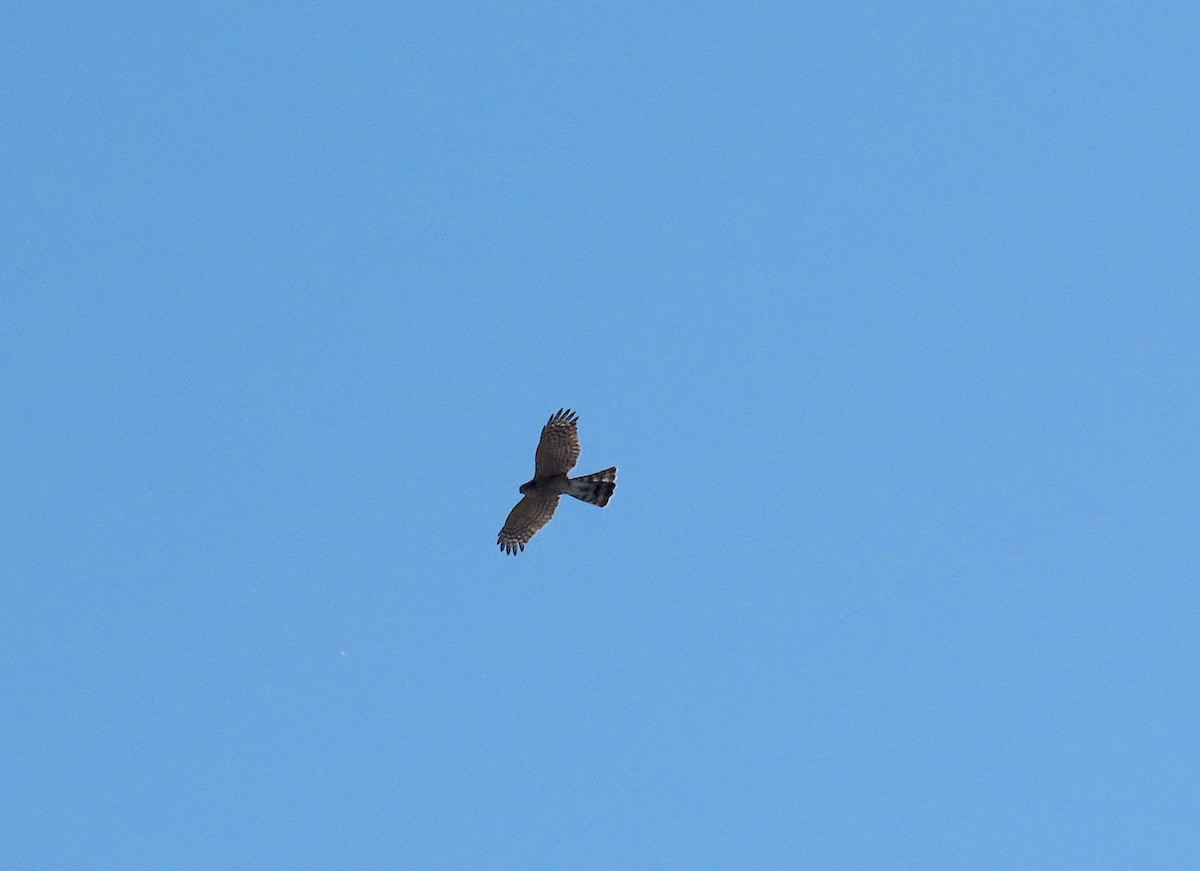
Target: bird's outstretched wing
x=527 y=517
x=558 y=451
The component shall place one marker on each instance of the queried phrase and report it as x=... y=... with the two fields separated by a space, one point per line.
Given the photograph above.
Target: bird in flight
x=557 y=453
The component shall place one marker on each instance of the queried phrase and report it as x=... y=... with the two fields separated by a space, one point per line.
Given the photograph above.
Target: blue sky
x=887 y=313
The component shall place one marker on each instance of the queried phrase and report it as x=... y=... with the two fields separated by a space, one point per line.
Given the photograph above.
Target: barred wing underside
x=527 y=517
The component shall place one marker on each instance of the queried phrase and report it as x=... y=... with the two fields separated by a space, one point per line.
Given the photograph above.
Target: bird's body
x=554 y=485
x=557 y=453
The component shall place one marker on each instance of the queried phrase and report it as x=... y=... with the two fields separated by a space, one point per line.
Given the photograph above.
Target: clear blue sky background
x=888 y=314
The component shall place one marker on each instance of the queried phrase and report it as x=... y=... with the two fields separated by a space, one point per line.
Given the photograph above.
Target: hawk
x=557 y=453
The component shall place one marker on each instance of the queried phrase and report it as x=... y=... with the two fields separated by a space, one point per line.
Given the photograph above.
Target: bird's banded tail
x=596 y=488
